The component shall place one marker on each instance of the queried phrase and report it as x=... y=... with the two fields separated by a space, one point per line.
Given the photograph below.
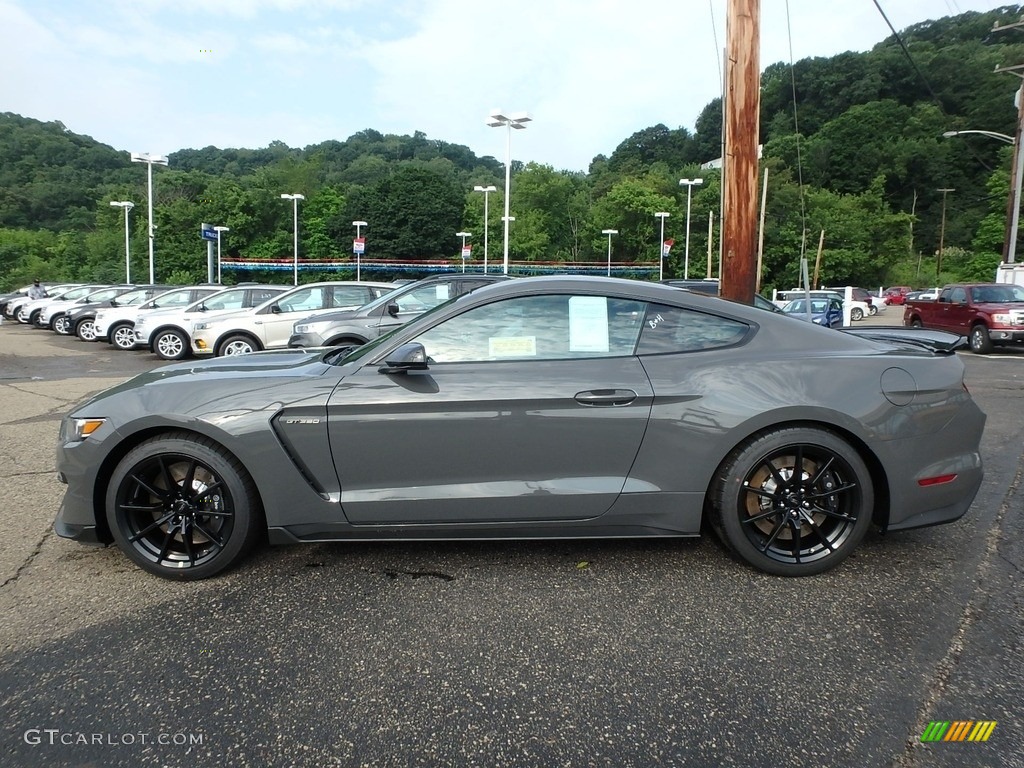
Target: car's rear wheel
x=183 y=508
x=872 y=310
x=981 y=343
x=237 y=344
x=86 y=329
x=916 y=323
x=122 y=336
x=62 y=325
x=793 y=501
x=856 y=313
x=171 y=345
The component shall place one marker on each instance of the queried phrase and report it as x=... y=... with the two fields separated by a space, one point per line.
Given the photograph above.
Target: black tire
x=979 y=340
x=85 y=329
x=61 y=325
x=237 y=344
x=856 y=313
x=171 y=344
x=790 y=526
x=916 y=323
x=872 y=310
x=122 y=335
x=183 y=508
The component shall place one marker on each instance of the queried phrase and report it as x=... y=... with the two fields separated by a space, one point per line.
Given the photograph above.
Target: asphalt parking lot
x=500 y=654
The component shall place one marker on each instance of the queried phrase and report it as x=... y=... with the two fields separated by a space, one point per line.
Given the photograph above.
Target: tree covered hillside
x=862 y=157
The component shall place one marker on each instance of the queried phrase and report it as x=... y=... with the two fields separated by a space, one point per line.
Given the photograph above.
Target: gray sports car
x=542 y=407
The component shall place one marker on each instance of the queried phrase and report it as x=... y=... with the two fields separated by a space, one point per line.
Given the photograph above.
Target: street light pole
x=218 y=230
x=295 y=248
x=149 y=159
x=496 y=120
x=358 y=248
x=609 y=232
x=1013 y=206
x=487 y=191
x=463 y=235
x=661 y=245
x=689 y=184
x=127 y=256
x=942 y=231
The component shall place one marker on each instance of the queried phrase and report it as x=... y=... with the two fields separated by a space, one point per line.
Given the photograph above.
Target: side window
x=424 y=298
x=672 y=329
x=350 y=295
x=538 y=328
x=232 y=300
x=176 y=299
x=304 y=300
x=258 y=295
x=959 y=295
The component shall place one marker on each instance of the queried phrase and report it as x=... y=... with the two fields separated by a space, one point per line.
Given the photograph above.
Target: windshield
x=998 y=294
x=132 y=297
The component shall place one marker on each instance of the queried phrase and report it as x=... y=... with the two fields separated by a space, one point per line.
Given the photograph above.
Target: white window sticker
x=512 y=346
x=443 y=292
x=588 y=324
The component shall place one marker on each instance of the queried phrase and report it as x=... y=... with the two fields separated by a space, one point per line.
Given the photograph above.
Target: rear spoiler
x=941 y=342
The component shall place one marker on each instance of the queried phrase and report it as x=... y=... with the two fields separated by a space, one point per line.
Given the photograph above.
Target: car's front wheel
x=122 y=336
x=62 y=325
x=980 y=341
x=237 y=345
x=872 y=310
x=171 y=345
x=86 y=329
x=793 y=501
x=182 y=507
x=856 y=313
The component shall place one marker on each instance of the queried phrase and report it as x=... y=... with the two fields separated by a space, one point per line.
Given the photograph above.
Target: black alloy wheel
x=122 y=336
x=183 y=508
x=793 y=501
x=171 y=345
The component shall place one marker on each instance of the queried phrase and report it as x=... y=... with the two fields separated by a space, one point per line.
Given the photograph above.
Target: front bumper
x=306 y=340
x=1006 y=335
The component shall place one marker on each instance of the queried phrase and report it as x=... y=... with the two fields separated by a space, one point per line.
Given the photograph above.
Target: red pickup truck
x=988 y=314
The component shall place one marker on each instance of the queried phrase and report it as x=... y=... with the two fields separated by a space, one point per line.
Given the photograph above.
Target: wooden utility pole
x=739 y=162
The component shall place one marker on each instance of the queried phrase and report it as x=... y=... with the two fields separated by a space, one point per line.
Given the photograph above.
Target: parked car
x=117 y=324
x=168 y=332
x=827 y=311
x=16 y=304
x=43 y=314
x=896 y=294
x=859 y=309
x=82 y=319
x=20 y=293
x=269 y=325
x=407 y=302
x=989 y=314
x=57 y=316
x=542 y=407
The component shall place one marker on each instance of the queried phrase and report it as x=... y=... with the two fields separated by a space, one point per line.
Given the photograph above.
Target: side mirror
x=408 y=357
x=275 y=308
x=393 y=309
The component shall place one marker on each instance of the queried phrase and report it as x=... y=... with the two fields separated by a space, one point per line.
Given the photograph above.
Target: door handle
x=606 y=397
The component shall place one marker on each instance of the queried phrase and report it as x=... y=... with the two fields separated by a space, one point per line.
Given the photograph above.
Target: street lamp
x=689 y=184
x=1013 y=219
x=463 y=235
x=487 y=191
x=149 y=159
x=661 y=245
x=218 y=230
x=295 y=215
x=358 y=246
x=609 y=232
x=496 y=120
x=127 y=256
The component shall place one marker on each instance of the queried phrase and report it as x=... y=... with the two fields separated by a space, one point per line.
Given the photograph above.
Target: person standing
x=36 y=291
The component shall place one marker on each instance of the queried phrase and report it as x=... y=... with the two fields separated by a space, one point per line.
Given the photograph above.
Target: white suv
x=269 y=325
x=117 y=324
x=168 y=332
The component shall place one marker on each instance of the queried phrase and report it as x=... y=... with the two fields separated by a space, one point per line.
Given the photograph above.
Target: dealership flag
x=466 y=251
x=666 y=247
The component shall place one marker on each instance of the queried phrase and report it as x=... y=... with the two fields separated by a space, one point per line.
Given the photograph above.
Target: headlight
x=201 y=326
x=1002 y=319
x=302 y=328
x=79 y=429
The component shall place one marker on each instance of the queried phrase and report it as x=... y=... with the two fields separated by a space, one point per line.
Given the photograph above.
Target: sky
x=163 y=75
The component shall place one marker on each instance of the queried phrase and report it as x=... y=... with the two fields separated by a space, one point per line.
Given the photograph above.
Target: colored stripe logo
x=958 y=730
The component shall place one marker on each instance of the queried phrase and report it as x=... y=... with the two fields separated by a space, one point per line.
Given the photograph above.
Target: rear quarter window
x=673 y=329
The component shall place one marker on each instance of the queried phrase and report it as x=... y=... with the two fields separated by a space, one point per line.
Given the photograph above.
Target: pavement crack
x=28 y=560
